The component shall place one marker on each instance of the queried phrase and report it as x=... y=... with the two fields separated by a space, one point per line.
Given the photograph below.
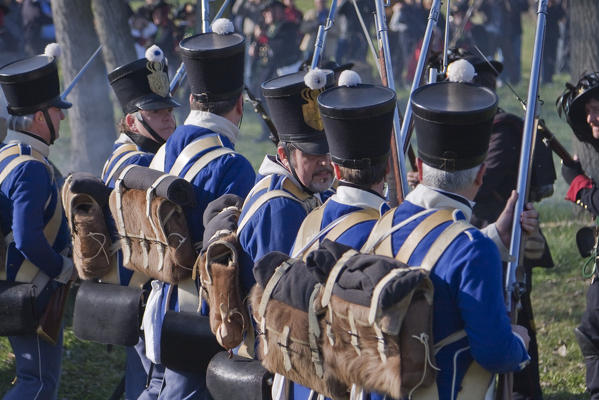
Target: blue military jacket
x=468 y=293
x=229 y=173
x=346 y=200
x=29 y=202
x=124 y=152
x=274 y=225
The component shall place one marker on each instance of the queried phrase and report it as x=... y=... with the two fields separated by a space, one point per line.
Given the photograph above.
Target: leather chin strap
x=145 y=143
x=50 y=126
x=151 y=131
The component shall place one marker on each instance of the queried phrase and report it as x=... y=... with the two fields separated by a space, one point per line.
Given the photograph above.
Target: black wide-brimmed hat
x=294 y=110
x=143 y=84
x=572 y=103
x=357 y=121
x=214 y=62
x=31 y=85
x=453 y=124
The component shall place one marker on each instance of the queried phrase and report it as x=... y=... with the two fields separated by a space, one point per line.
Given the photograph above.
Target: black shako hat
x=214 y=63
x=143 y=84
x=31 y=85
x=357 y=122
x=293 y=108
x=572 y=103
x=453 y=124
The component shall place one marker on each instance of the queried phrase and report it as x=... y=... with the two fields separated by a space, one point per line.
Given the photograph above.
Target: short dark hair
x=364 y=176
x=486 y=79
x=288 y=148
x=215 y=107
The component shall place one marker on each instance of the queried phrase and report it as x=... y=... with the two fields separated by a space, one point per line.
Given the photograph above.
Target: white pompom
x=223 y=26
x=349 y=78
x=53 y=50
x=154 y=54
x=315 y=79
x=460 y=71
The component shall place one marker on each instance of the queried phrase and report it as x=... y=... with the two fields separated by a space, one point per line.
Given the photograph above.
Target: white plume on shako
x=223 y=26
x=349 y=78
x=315 y=79
x=53 y=50
x=461 y=71
x=154 y=54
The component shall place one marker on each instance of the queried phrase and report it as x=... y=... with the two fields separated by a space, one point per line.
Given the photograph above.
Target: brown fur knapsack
x=93 y=250
x=155 y=239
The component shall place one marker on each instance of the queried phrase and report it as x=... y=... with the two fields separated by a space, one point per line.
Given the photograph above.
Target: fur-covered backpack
x=84 y=198
x=147 y=207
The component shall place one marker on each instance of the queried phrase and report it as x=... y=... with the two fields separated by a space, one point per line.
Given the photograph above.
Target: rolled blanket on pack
x=84 y=183
x=172 y=188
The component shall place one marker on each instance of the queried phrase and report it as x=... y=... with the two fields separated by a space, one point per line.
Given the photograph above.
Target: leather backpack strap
x=120 y=162
x=126 y=147
x=205 y=160
x=424 y=228
x=193 y=149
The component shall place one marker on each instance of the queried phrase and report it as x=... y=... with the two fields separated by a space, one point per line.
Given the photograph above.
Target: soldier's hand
x=522 y=333
x=529 y=219
x=413 y=180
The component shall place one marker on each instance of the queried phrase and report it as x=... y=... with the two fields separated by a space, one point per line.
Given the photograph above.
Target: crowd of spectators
x=281 y=37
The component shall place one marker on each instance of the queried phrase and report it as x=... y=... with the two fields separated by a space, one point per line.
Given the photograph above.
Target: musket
x=433 y=17
x=446 y=38
x=180 y=75
x=528 y=138
x=177 y=79
x=322 y=35
x=259 y=109
x=386 y=70
x=69 y=88
x=551 y=141
x=548 y=137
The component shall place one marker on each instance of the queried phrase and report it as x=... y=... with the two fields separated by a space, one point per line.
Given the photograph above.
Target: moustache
x=328 y=170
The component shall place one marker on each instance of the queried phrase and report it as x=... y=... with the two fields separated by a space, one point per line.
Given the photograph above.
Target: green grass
x=91 y=372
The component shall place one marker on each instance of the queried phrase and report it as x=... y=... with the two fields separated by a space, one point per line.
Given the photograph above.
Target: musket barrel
x=322 y=35
x=432 y=21
x=205 y=16
x=526 y=152
x=382 y=33
x=80 y=73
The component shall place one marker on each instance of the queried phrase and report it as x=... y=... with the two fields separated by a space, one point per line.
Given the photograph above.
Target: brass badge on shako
x=310 y=109
x=158 y=79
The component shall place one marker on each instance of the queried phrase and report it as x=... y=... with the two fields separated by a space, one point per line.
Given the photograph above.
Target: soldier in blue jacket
x=143 y=93
x=32 y=220
x=202 y=152
x=290 y=183
x=360 y=162
x=470 y=322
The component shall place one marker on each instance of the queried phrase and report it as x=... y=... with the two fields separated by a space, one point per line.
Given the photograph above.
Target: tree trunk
x=112 y=24
x=91 y=119
x=584 y=31
x=584 y=58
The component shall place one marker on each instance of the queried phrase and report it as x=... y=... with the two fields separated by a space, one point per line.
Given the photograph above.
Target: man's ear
x=130 y=122
x=239 y=104
x=283 y=156
x=419 y=166
x=337 y=171
x=480 y=174
x=190 y=98
x=38 y=117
